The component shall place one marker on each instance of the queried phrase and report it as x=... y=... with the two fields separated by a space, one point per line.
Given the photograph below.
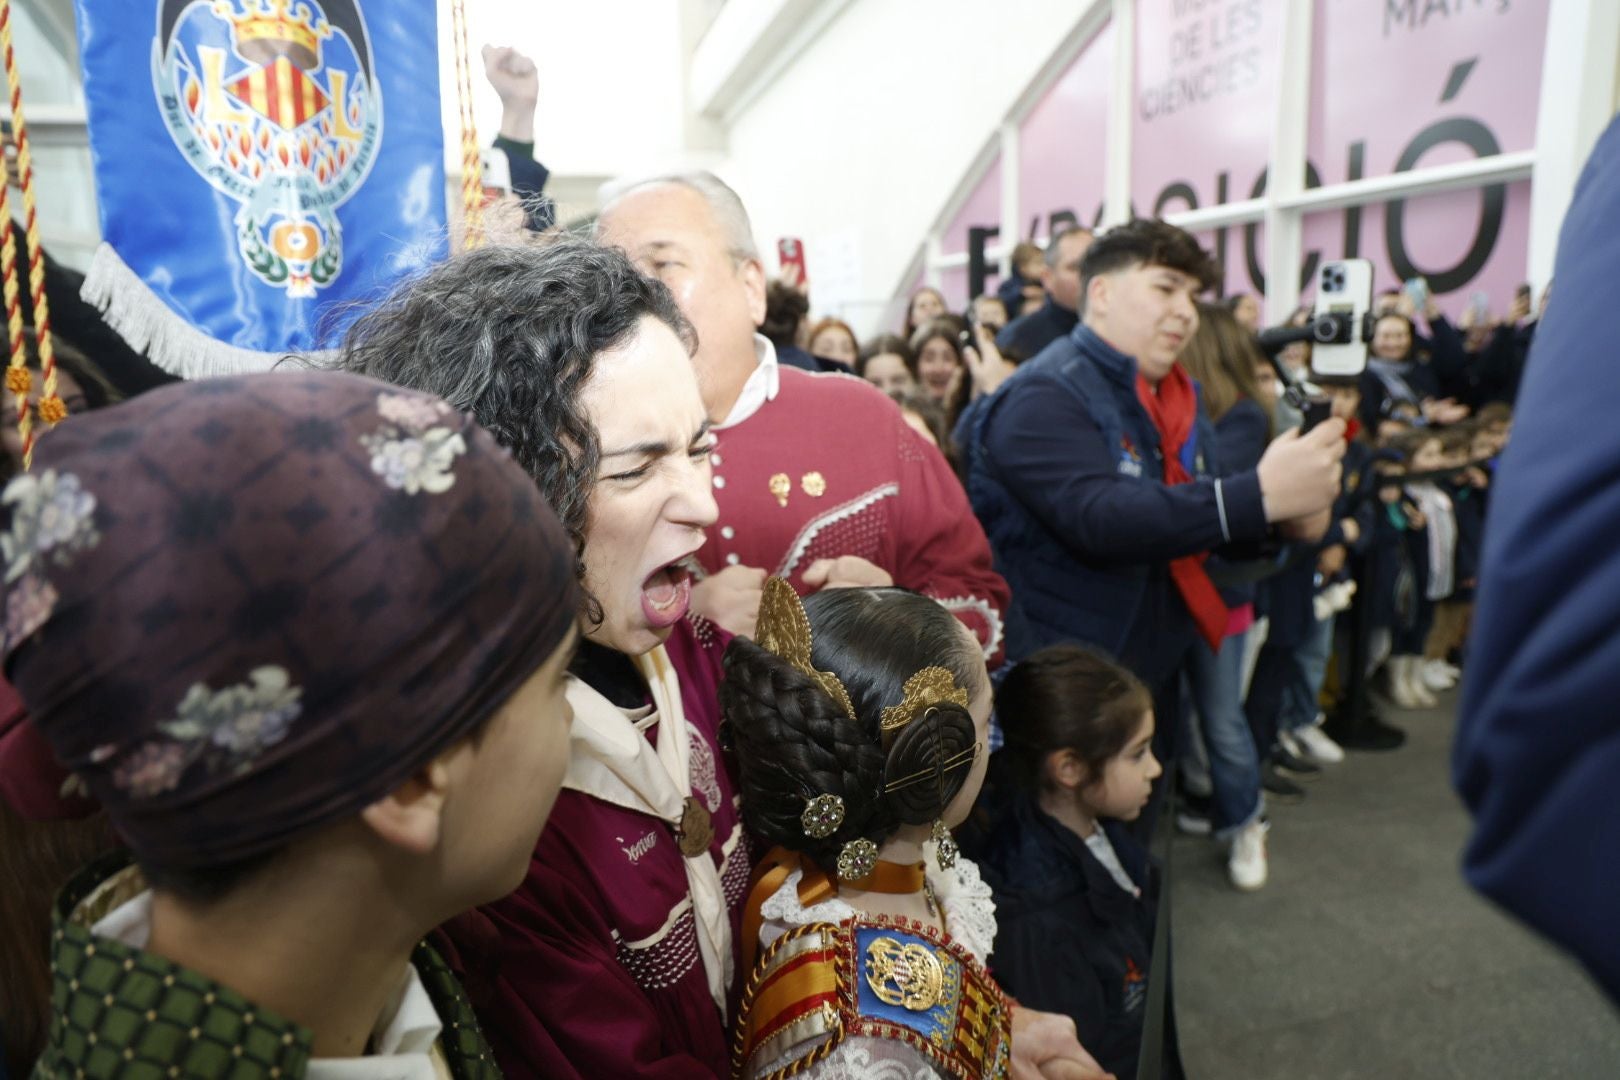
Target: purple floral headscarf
x=239 y=609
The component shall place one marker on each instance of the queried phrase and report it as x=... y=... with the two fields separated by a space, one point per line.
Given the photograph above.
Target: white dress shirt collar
x=762 y=386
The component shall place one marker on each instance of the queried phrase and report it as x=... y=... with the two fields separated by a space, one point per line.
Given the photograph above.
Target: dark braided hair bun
x=919 y=752
x=793 y=742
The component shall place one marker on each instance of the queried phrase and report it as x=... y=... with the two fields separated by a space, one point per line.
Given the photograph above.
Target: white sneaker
x=1434 y=677
x=1416 y=691
x=1246 y=866
x=1398 y=671
x=1315 y=745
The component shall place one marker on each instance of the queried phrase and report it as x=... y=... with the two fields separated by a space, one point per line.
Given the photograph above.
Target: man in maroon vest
x=818 y=477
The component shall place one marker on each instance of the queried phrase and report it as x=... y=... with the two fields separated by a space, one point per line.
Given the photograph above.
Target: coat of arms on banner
x=275 y=103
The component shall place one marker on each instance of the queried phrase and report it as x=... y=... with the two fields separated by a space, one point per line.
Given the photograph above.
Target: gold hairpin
x=783 y=628
x=929 y=687
x=960 y=758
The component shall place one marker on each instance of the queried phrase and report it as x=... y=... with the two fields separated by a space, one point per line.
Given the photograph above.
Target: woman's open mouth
x=666 y=595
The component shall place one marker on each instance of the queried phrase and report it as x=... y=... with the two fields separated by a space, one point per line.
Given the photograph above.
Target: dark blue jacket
x=1240 y=436
x=1011 y=295
x=1069 y=940
x=529 y=183
x=1065 y=475
x=793 y=356
x=1028 y=335
x=1538 y=741
x=1290 y=597
x=1377 y=397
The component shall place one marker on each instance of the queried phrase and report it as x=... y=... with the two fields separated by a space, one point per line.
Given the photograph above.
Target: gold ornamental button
x=781 y=487
x=696 y=830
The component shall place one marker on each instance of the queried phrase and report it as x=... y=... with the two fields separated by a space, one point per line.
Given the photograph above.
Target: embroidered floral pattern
x=52 y=519
x=227 y=728
x=705 y=778
x=414 y=451
x=152 y=769
x=410 y=411
x=241 y=720
x=28 y=605
x=52 y=515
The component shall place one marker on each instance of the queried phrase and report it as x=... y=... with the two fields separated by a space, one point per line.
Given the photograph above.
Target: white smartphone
x=1343 y=292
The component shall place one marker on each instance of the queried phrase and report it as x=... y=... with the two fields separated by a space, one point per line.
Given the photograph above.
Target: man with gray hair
x=1027 y=335
x=818 y=477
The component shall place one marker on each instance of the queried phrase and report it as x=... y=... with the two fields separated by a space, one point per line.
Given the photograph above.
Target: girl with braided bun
x=858 y=718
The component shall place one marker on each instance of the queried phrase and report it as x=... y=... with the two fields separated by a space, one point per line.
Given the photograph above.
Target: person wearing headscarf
x=617 y=954
x=303 y=637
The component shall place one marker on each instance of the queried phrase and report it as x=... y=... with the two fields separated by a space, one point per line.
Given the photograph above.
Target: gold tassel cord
x=18 y=378
x=472 y=179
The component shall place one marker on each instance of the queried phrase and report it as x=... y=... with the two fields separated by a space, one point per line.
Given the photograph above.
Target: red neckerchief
x=1352 y=428
x=1173 y=410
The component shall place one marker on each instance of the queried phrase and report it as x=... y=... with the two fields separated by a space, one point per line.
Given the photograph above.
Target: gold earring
x=945 y=849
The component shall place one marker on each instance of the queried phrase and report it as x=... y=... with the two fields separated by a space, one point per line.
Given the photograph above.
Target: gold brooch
x=814 y=484
x=822 y=816
x=904 y=974
x=857 y=859
x=696 y=831
x=784 y=629
x=781 y=487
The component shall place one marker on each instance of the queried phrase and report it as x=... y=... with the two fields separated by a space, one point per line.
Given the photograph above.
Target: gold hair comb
x=929 y=687
x=783 y=628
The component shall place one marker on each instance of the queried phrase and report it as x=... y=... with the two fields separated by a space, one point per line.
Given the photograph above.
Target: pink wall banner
x=1396 y=85
x=1062 y=162
x=1206 y=101
x=1063 y=145
x=1449 y=83
x=981 y=211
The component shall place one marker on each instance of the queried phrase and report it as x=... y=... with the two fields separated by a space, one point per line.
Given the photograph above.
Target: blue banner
x=260 y=164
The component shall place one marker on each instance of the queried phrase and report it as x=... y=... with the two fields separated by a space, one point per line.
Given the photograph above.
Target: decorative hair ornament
x=783 y=629
x=955 y=761
x=857 y=860
x=945 y=849
x=929 y=687
x=822 y=816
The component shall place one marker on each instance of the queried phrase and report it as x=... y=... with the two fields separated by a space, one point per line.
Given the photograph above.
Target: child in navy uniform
x=1468 y=448
x=1074 y=894
x=1428 y=528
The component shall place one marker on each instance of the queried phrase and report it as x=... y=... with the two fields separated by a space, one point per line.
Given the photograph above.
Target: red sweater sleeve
x=940 y=547
x=542 y=972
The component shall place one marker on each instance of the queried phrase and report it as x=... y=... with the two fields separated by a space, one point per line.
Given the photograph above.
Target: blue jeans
x=1216 y=680
x=1304 y=687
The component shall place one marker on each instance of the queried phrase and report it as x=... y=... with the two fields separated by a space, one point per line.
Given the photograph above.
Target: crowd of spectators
x=304 y=647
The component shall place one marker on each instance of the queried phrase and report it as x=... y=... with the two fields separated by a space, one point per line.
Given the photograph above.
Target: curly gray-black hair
x=510 y=334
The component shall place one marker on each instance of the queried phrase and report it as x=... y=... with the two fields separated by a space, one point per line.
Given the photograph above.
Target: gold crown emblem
x=266 y=29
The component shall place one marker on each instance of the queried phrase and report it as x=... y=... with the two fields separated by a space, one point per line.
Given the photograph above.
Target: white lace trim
x=985 y=609
x=861 y=1057
x=813 y=528
x=970 y=913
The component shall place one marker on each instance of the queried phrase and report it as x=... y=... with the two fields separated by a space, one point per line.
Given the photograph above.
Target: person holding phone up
x=1096 y=475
